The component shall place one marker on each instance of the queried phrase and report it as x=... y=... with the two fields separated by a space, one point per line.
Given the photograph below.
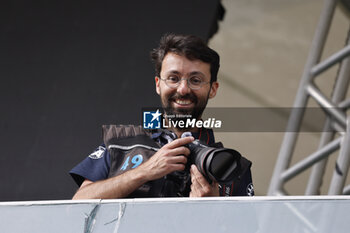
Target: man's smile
x=182 y=103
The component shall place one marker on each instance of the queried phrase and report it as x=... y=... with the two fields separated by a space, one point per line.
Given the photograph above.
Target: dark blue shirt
x=97 y=165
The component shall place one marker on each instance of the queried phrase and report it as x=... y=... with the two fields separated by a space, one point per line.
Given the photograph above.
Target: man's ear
x=157 y=80
x=213 y=89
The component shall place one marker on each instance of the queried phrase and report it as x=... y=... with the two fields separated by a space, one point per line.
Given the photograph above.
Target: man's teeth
x=183 y=102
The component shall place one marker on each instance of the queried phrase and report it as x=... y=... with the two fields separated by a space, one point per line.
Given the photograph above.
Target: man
x=186 y=77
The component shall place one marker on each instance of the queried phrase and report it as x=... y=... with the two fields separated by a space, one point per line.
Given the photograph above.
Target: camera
x=220 y=165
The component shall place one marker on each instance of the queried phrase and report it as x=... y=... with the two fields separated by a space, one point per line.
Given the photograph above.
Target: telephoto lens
x=216 y=164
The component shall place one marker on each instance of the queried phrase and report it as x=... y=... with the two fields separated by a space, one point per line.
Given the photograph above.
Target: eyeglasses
x=193 y=82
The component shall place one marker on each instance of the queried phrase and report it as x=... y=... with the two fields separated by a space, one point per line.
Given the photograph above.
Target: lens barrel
x=221 y=165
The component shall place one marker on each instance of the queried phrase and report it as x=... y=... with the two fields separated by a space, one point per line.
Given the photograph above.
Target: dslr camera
x=220 y=165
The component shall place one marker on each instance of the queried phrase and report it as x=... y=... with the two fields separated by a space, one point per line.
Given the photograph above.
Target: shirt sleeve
x=242 y=185
x=246 y=187
x=95 y=167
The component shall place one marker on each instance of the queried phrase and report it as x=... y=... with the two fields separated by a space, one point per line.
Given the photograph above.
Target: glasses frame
x=188 y=83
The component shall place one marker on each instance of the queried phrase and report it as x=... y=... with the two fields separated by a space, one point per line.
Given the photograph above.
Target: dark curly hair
x=190 y=46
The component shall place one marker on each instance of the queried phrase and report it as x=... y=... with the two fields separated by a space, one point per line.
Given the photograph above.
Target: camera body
x=220 y=165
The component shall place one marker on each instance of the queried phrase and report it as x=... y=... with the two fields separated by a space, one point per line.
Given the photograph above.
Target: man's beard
x=182 y=114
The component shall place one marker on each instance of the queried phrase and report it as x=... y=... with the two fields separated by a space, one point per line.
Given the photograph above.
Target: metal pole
x=316 y=70
x=328 y=106
x=338 y=95
x=295 y=119
x=310 y=160
x=346 y=190
x=342 y=165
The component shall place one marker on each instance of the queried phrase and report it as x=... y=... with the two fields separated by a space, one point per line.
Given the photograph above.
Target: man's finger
x=200 y=186
x=179 y=142
x=180 y=151
x=197 y=177
x=178 y=159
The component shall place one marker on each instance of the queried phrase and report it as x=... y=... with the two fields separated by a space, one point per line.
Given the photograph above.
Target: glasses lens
x=172 y=81
x=195 y=82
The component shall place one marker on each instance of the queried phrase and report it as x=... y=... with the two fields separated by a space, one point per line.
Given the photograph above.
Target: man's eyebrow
x=196 y=73
x=189 y=74
x=173 y=72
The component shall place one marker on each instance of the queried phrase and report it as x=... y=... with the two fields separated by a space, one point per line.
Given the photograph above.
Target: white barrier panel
x=233 y=214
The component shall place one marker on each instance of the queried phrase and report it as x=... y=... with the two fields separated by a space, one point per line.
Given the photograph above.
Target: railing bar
x=330 y=61
x=311 y=159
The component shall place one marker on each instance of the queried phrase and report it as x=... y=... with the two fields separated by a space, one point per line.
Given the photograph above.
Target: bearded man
x=134 y=162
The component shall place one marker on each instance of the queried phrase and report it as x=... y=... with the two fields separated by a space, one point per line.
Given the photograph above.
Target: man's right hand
x=171 y=157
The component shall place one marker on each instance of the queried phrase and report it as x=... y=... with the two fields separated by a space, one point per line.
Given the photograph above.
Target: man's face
x=182 y=99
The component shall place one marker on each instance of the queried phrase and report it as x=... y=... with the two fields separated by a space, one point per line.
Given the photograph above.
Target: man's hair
x=190 y=46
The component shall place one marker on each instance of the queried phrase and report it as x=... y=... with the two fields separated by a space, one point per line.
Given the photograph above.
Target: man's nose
x=183 y=87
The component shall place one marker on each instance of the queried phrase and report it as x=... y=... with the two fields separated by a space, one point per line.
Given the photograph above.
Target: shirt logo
x=151 y=120
x=250 y=189
x=97 y=154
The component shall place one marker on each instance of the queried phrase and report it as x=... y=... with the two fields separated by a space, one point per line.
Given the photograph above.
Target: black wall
x=66 y=68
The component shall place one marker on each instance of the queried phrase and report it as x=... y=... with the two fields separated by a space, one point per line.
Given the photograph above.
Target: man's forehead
x=177 y=56
x=175 y=63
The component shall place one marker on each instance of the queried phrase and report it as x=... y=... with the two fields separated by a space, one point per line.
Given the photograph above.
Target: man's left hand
x=200 y=186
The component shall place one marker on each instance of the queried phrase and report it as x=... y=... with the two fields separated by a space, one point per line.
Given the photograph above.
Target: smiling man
x=184 y=96
x=134 y=162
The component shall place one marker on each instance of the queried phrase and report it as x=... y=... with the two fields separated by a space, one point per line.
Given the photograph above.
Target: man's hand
x=200 y=186
x=171 y=157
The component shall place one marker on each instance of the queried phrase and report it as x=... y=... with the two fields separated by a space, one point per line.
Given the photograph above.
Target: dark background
x=66 y=68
